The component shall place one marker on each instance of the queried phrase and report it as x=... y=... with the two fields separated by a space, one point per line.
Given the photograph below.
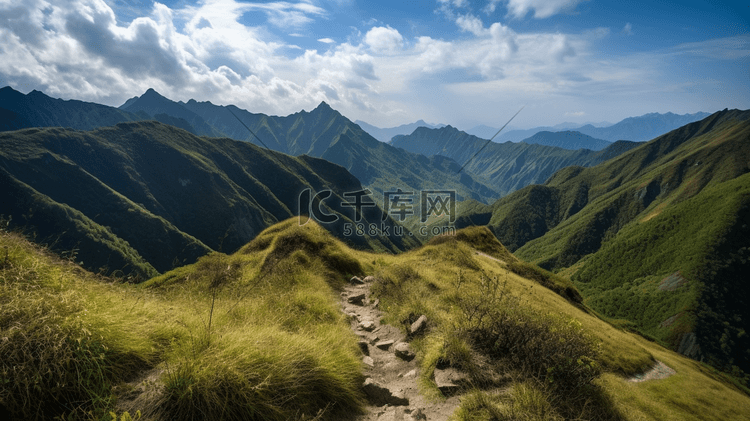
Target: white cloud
x=730 y=48
x=542 y=8
x=470 y=23
x=284 y=14
x=627 y=29
x=79 y=49
x=384 y=40
x=455 y=3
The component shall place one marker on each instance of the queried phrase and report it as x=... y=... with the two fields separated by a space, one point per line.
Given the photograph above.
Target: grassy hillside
x=680 y=275
x=483 y=318
x=251 y=336
x=669 y=212
x=259 y=335
x=167 y=195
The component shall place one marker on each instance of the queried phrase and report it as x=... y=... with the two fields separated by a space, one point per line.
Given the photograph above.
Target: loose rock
x=449 y=381
x=403 y=351
x=367 y=325
x=369 y=279
x=419 y=326
x=384 y=345
x=358 y=299
x=381 y=395
x=368 y=360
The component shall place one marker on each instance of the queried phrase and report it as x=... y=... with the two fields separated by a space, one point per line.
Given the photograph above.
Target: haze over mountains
x=508 y=166
x=386 y=134
x=637 y=129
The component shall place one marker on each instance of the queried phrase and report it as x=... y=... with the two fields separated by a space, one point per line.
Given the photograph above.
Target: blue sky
x=456 y=62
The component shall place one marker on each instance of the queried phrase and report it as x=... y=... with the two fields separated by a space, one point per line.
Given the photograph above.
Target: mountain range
x=139 y=198
x=567 y=140
x=637 y=129
x=386 y=134
x=656 y=237
x=651 y=237
x=508 y=166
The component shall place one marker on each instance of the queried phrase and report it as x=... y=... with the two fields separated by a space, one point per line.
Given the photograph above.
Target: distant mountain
x=325 y=133
x=638 y=129
x=379 y=166
x=508 y=166
x=482 y=131
x=516 y=135
x=18 y=111
x=568 y=140
x=385 y=135
x=643 y=128
x=657 y=236
x=169 y=112
x=140 y=198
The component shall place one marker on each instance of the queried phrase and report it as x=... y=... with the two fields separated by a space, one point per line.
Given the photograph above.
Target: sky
x=458 y=62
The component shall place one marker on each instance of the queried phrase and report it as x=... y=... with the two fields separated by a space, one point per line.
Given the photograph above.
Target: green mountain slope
x=656 y=236
x=171 y=196
x=509 y=166
x=325 y=133
x=259 y=334
x=170 y=112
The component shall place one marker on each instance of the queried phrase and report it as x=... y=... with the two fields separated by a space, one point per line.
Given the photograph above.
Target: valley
x=175 y=254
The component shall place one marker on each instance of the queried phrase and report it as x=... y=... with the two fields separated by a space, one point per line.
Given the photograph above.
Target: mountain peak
x=150 y=92
x=323 y=106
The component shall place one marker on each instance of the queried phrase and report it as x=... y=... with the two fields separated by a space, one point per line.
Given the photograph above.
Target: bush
x=551 y=349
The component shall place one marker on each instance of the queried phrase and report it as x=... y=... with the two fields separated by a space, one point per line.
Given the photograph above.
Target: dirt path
x=658 y=371
x=391 y=370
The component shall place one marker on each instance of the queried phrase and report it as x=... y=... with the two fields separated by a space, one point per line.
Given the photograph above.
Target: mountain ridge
x=626 y=210
x=138 y=179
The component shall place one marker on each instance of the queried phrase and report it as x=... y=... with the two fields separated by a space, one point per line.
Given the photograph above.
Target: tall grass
x=225 y=338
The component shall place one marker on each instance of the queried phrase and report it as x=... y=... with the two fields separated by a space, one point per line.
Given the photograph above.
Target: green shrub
x=551 y=349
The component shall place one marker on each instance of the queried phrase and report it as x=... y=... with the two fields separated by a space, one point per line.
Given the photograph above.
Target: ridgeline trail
x=392 y=373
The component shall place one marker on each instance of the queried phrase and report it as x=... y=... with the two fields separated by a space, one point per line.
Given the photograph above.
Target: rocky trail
x=391 y=370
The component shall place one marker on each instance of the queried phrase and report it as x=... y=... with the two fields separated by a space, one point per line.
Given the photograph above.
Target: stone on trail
x=367 y=325
x=380 y=395
x=369 y=279
x=384 y=345
x=356 y=280
x=419 y=326
x=358 y=299
x=368 y=360
x=403 y=351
